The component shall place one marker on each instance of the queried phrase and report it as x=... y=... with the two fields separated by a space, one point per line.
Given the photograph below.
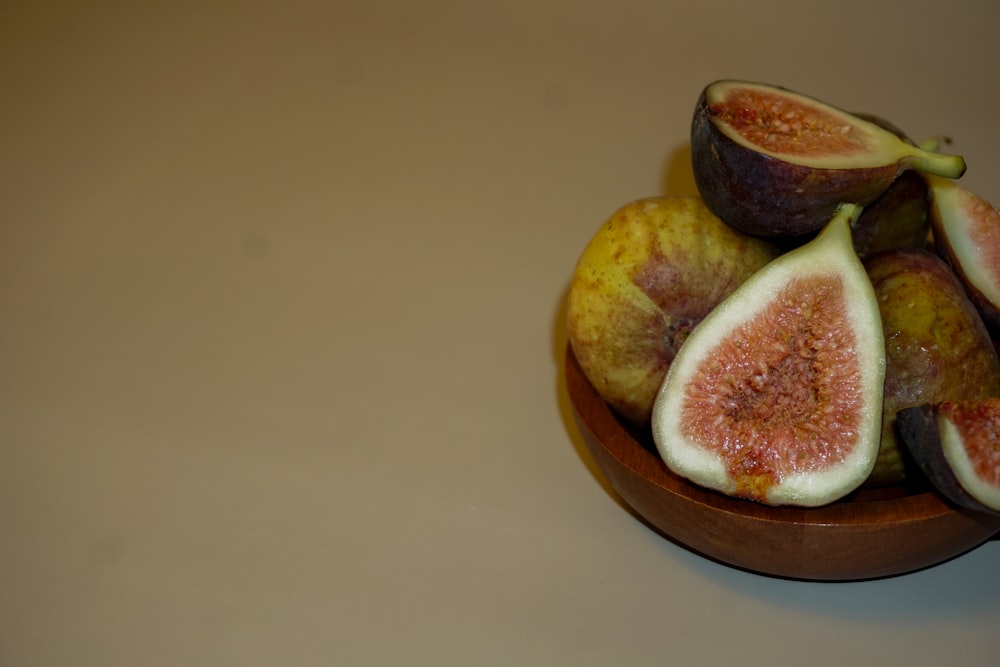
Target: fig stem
x=931 y=162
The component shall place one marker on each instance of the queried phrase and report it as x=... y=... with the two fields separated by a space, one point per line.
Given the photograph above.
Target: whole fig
x=649 y=274
x=937 y=347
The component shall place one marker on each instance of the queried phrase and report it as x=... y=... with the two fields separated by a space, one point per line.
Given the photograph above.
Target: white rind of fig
x=966 y=229
x=953 y=449
x=827 y=260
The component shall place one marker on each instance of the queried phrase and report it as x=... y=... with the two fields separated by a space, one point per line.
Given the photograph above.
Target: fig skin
x=767 y=196
x=920 y=429
x=898 y=218
x=649 y=274
x=937 y=347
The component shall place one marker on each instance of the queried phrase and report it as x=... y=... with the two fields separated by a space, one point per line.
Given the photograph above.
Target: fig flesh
x=967 y=234
x=773 y=162
x=776 y=396
x=648 y=275
x=957 y=445
x=937 y=346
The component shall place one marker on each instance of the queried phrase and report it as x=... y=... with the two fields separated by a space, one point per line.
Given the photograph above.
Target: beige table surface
x=281 y=293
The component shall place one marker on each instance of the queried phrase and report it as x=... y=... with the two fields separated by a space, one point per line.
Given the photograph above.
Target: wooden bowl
x=872 y=533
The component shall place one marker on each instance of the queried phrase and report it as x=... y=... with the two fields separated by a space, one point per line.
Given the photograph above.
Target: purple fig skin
x=919 y=431
x=762 y=195
x=937 y=347
x=898 y=218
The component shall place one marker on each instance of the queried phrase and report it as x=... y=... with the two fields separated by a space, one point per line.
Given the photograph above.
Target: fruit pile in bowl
x=796 y=372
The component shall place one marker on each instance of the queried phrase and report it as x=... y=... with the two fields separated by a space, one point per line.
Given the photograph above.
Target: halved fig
x=773 y=162
x=776 y=396
x=957 y=446
x=967 y=234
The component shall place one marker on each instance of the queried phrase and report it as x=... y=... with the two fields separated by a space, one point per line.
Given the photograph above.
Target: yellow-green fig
x=649 y=274
x=937 y=347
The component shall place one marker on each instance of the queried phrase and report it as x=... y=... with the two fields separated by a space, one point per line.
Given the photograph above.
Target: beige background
x=281 y=323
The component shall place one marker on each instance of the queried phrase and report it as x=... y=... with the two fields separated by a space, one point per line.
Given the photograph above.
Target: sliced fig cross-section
x=776 y=396
x=957 y=445
x=773 y=162
x=967 y=233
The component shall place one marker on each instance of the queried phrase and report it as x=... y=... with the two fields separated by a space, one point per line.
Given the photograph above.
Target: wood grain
x=870 y=534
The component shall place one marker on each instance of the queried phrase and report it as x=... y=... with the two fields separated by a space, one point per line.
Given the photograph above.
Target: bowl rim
x=866 y=506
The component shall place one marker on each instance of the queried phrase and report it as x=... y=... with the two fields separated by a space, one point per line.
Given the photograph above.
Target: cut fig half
x=773 y=162
x=967 y=234
x=957 y=446
x=776 y=396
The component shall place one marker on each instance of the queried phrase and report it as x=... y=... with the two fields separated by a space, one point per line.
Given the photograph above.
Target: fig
x=936 y=345
x=966 y=231
x=773 y=162
x=649 y=274
x=957 y=445
x=898 y=218
x=776 y=396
